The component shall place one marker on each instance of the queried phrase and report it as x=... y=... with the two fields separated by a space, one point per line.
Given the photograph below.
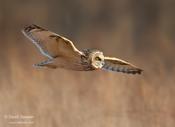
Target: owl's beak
x=103 y=63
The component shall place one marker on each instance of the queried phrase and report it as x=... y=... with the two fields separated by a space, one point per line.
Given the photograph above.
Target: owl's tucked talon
x=43 y=63
x=38 y=66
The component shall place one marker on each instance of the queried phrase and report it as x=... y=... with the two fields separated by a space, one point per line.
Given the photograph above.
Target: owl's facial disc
x=97 y=60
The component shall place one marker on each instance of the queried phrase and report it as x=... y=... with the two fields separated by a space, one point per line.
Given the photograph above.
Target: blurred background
x=139 y=31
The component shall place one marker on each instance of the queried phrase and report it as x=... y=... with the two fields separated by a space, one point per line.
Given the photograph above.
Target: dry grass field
x=140 y=32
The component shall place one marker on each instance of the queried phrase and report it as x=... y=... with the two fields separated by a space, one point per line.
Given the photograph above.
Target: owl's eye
x=98 y=58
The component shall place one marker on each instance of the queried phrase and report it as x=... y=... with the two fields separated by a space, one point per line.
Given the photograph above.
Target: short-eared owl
x=61 y=52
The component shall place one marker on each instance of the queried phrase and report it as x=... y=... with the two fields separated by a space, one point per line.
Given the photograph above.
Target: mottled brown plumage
x=61 y=52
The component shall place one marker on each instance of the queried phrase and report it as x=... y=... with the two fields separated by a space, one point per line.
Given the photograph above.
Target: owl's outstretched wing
x=50 y=44
x=119 y=65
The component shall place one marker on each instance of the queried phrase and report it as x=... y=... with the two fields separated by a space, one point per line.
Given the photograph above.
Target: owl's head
x=97 y=59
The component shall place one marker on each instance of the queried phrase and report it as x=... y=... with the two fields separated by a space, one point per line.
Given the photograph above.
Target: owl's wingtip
x=135 y=71
x=140 y=71
x=29 y=27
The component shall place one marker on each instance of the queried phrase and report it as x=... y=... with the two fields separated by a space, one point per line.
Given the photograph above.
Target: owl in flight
x=61 y=53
